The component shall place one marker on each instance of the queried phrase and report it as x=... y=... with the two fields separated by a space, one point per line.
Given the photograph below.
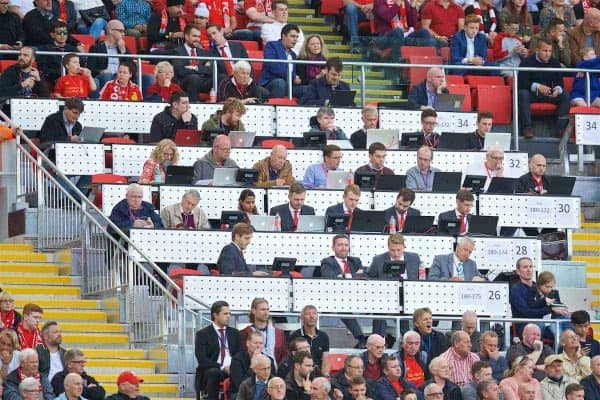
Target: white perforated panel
x=501 y=254
x=347 y=296
x=318 y=199
x=203 y=111
x=213 y=200
x=301 y=159
x=260 y=119
x=128 y=160
x=238 y=291
x=533 y=211
x=410 y=121
x=454 y=298
x=308 y=248
x=293 y=121
x=80 y=158
x=349 y=119
x=113 y=193
x=246 y=158
x=431 y=204
x=30 y=114
x=120 y=116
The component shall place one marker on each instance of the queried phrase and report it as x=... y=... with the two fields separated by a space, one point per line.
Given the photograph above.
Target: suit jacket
x=331 y=269
x=179 y=65
x=171 y=217
x=97 y=64
x=53 y=130
x=318 y=92
x=208 y=348
x=526 y=184
x=443 y=266
x=286 y=173
x=275 y=51
x=458 y=48
x=452 y=215
x=392 y=212
x=287 y=221
x=237 y=51
x=412 y=266
x=230 y=261
x=337 y=209
x=10 y=84
x=417 y=96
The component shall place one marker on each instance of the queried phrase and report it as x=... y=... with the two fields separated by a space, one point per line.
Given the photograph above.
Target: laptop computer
x=285 y=265
x=230 y=218
x=247 y=176
x=449 y=226
x=91 y=134
x=311 y=223
x=368 y=221
x=501 y=139
x=560 y=185
x=395 y=268
x=365 y=180
x=241 y=138
x=446 y=182
x=209 y=135
x=187 y=137
x=390 y=138
x=342 y=98
x=337 y=223
x=502 y=185
x=264 y=223
x=449 y=102
x=342 y=144
x=483 y=225
x=337 y=179
x=224 y=176
x=417 y=224
x=474 y=182
x=179 y=175
x=453 y=141
x=314 y=139
x=412 y=140
x=390 y=182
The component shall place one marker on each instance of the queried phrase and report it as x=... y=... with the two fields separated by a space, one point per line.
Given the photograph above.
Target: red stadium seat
x=497 y=100
x=225 y=388
x=543 y=109
x=408 y=51
x=568 y=80
x=584 y=110
x=455 y=79
x=148 y=68
x=445 y=53
x=108 y=160
x=98 y=180
x=248 y=44
x=418 y=75
x=86 y=40
x=6 y=63
x=331 y=7
x=336 y=362
x=474 y=80
x=256 y=66
x=142 y=44
x=131 y=44
x=270 y=143
x=465 y=90
x=283 y=101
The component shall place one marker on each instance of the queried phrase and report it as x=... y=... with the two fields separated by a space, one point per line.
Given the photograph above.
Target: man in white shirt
x=271 y=31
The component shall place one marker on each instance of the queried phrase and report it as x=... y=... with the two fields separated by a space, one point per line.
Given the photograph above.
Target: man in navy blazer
x=220 y=45
x=402 y=209
x=456 y=266
x=341 y=265
x=192 y=75
x=319 y=90
x=213 y=353
x=423 y=95
x=231 y=260
x=274 y=76
x=290 y=212
x=462 y=212
x=347 y=206
x=469 y=47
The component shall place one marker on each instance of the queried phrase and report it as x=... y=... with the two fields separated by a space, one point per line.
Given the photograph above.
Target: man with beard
x=22 y=79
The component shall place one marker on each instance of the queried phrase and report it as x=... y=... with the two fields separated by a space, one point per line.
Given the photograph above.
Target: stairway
x=44 y=279
x=378 y=88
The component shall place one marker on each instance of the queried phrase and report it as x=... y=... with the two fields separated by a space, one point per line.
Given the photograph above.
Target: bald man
x=460 y=358
x=535 y=181
x=275 y=170
x=104 y=68
x=218 y=157
x=424 y=94
x=531 y=346
x=73 y=387
x=578 y=37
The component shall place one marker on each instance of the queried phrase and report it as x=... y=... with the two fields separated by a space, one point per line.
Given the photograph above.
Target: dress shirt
x=470 y=49
x=455 y=268
x=460 y=368
x=68 y=126
x=458 y=216
x=315 y=176
x=227 y=360
x=341 y=264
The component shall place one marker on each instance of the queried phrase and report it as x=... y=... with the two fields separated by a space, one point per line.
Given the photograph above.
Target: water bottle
x=212 y=96
x=224 y=227
x=350 y=177
x=392 y=225
x=422 y=275
x=277 y=223
x=157 y=175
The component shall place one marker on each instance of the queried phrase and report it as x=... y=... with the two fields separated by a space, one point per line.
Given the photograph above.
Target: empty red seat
x=497 y=100
x=543 y=109
x=445 y=53
x=270 y=143
x=474 y=80
x=455 y=80
x=584 y=110
x=6 y=63
x=336 y=362
x=568 y=80
x=256 y=66
x=331 y=7
x=463 y=89
x=408 y=51
x=86 y=40
x=131 y=44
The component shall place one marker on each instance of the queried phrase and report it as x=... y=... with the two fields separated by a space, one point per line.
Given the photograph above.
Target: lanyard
x=425 y=178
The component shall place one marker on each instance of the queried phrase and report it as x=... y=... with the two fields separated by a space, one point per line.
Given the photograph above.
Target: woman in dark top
x=314 y=49
x=246 y=203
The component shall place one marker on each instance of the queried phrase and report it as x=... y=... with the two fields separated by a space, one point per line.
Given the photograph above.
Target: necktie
x=350 y=220
x=346 y=268
x=462 y=228
x=460 y=270
x=401 y=221
x=295 y=219
x=193 y=62
x=222 y=352
x=228 y=66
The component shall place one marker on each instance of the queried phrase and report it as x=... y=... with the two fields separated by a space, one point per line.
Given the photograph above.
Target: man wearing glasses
x=426 y=136
x=51 y=66
x=105 y=68
x=491 y=167
x=433 y=391
x=38 y=24
x=316 y=174
x=75 y=363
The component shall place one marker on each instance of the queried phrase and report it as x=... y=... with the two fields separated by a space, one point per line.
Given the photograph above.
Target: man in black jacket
x=22 y=79
x=52 y=339
x=193 y=75
x=105 y=68
x=538 y=86
x=51 y=66
x=241 y=363
x=433 y=342
x=298 y=381
x=74 y=362
x=176 y=116
x=128 y=384
x=62 y=125
x=12 y=35
x=37 y=24
x=535 y=181
x=424 y=94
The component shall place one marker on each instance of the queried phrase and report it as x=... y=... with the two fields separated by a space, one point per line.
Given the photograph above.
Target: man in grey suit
x=462 y=212
x=456 y=266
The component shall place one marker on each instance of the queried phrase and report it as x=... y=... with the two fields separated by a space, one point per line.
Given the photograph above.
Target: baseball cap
x=129 y=376
x=551 y=358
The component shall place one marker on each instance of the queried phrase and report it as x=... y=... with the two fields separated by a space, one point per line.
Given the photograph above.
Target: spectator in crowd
x=290 y=212
x=325 y=122
x=241 y=86
x=462 y=212
x=105 y=69
x=396 y=246
x=457 y=266
x=555 y=34
x=580 y=9
x=73 y=388
x=557 y=9
x=508 y=48
x=28 y=368
x=426 y=136
x=319 y=90
x=193 y=75
x=489 y=23
x=255 y=386
x=413 y=361
x=354 y=13
x=521 y=373
x=396 y=23
x=276 y=389
x=313 y=49
x=518 y=9
x=78 y=81
x=123 y=87
x=490 y=353
x=166 y=28
x=535 y=181
x=316 y=174
x=297 y=344
x=298 y=382
x=274 y=338
x=133 y=212
x=574 y=391
x=433 y=343
x=591 y=383
x=541 y=87
x=373 y=357
x=392 y=385
x=424 y=94
x=575 y=365
x=177 y=115
x=490 y=168
x=370 y=119
x=468 y=324
x=27 y=331
x=51 y=355
x=23 y=79
x=275 y=170
x=185 y=214
x=433 y=391
x=485 y=121
x=38 y=25
x=469 y=47
x=318 y=339
x=21 y=8
x=420 y=177
x=217 y=157
x=440 y=375
x=487 y=390
x=554 y=384
x=155 y=168
x=215 y=345
x=135 y=15
x=274 y=76
x=271 y=31
x=581 y=324
x=353 y=369
x=258 y=13
x=228 y=118
x=460 y=358
x=442 y=18
x=94 y=16
x=247 y=204
x=584 y=34
x=546 y=284
x=578 y=92
x=9 y=352
x=75 y=363
x=12 y=35
x=397 y=214
x=163 y=87
x=62 y=126
x=532 y=347
x=51 y=66
x=9 y=317
x=128 y=387
x=28 y=389
x=231 y=259
x=320 y=388
x=377 y=153
x=348 y=205
x=252 y=347
x=224 y=49
x=481 y=372
x=224 y=16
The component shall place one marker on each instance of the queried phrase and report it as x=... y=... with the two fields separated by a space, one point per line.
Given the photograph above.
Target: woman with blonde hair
x=163 y=86
x=314 y=49
x=9 y=317
x=164 y=154
x=9 y=352
x=520 y=373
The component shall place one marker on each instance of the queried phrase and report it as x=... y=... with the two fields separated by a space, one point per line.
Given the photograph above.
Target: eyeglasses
x=32 y=390
x=61 y=33
x=10 y=301
x=118 y=30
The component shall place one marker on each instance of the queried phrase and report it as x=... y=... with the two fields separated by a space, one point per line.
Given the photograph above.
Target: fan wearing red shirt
x=412 y=361
x=442 y=18
x=27 y=331
x=78 y=82
x=122 y=88
x=222 y=13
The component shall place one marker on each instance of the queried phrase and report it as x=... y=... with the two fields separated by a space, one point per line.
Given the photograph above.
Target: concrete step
x=114 y=353
x=34 y=292
x=39 y=280
x=584 y=235
x=307 y=21
x=59 y=303
x=317 y=29
x=16 y=246
x=149 y=389
x=75 y=315
x=28 y=269
x=117 y=364
x=148 y=378
x=94 y=340
x=87 y=327
x=23 y=255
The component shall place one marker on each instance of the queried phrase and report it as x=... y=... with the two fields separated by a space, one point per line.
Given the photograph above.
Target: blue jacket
x=592 y=388
x=231 y=261
x=387 y=391
x=275 y=51
x=526 y=303
x=417 y=96
x=578 y=90
x=318 y=92
x=121 y=216
x=458 y=49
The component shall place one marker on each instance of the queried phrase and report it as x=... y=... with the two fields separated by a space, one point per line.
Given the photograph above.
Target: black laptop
x=394 y=268
x=285 y=265
x=417 y=224
x=337 y=223
x=446 y=182
x=314 y=139
x=178 y=175
x=342 y=98
x=454 y=141
x=368 y=221
x=412 y=140
x=365 y=179
x=474 y=182
x=390 y=182
x=560 y=185
x=450 y=226
x=448 y=102
x=483 y=225
x=502 y=185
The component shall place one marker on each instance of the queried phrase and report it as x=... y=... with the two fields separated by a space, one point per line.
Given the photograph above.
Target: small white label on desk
x=498 y=249
x=587 y=127
x=539 y=208
x=456 y=122
x=490 y=299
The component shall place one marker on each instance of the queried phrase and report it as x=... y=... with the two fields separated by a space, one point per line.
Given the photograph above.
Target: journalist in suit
x=459 y=48
x=444 y=266
x=210 y=371
x=287 y=221
x=464 y=205
x=404 y=201
x=192 y=75
x=231 y=260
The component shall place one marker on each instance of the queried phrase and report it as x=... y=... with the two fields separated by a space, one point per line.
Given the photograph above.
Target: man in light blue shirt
x=316 y=174
x=420 y=177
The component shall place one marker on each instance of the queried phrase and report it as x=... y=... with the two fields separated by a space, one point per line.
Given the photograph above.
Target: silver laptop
x=224 y=176
x=501 y=139
x=264 y=223
x=342 y=144
x=241 y=138
x=337 y=179
x=91 y=134
x=311 y=223
x=390 y=138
